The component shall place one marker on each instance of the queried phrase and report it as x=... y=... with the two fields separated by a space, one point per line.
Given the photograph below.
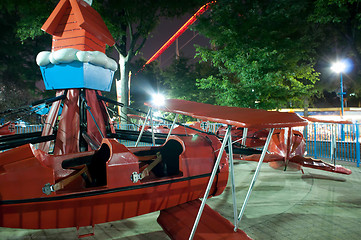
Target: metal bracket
x=135 y=177
x=48 y=189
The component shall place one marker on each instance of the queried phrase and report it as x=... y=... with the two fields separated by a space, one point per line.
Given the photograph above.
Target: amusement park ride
x=88 y=177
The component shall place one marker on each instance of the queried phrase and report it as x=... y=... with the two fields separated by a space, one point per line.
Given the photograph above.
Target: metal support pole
x=314 y=140
x=341 y=89
x=254 y=177
x=244 y=136
x=171 y=128
x=210 y=182
x=87 y=107
x=357 y=144
x=152 y=126
x=342 y=93
x=231 y=166
x=143 y=127
x=333 y=143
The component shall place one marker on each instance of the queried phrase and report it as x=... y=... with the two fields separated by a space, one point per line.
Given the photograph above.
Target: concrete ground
x=283 y=205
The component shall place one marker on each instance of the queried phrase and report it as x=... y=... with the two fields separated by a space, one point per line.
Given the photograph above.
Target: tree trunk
x=122 y=88
x=305 y=109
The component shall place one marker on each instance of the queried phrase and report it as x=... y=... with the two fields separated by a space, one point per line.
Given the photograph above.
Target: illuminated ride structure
x=89 y=177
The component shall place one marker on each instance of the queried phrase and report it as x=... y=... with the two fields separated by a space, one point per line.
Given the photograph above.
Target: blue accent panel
x=77 y=75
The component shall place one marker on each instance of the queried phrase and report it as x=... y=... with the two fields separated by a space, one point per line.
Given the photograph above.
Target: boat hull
x=26 y=170
x=106 y=205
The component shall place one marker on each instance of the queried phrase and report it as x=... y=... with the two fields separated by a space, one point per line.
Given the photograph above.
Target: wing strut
x=142 y=131
x=231 y=166
x=244 y=136
x=210 y=182
x=254 y=177
x=171 y=128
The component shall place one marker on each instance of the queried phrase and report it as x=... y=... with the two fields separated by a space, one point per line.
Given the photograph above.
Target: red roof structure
x=75 y=24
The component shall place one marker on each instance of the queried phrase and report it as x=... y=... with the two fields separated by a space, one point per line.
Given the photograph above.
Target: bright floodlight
x=338 y=67
x=158 y=99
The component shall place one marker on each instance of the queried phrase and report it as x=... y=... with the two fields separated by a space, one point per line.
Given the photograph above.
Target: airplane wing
x=278 y=162
x=319 y=164
x=320 y=120
x=235 y=116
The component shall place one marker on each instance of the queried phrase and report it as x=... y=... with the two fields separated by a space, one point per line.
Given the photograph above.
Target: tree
x=263 y=51
x=340 y=21
x=130 y=23
x=180 y=80
x=18 y=70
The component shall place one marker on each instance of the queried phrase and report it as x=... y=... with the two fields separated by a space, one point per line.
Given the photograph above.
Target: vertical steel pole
x=333 y=143
x=152 y=126
x=141 y=131
x=171 y=128
x=341 y=89
x=314 y=140
x=244 y=137
x=210 y=182
x=230 y=157
x=342 y=126
x=357 y=144
x=255 y=176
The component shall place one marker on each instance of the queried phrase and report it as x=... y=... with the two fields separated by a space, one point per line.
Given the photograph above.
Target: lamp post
x=339 y=67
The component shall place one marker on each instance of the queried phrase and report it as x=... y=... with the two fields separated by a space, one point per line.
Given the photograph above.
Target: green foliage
x=340 y=21
x=22 y=38
x=179 y=80
x=18 y=69
x=263 y=51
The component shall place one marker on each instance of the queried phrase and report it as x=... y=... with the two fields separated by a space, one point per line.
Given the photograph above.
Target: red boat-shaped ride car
x=113 y=182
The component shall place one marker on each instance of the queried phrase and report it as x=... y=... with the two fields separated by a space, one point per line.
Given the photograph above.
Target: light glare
x=338 y=67
x=158 y=100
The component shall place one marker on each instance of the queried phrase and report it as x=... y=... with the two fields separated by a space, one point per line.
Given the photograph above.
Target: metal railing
x=323 y=140
x=333 y=141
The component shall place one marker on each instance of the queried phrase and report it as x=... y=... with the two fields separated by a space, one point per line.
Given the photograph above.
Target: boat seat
x=96 y=164
x=170 y=159
x=76 y=163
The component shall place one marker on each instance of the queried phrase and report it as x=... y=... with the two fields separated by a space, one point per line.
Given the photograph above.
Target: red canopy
x=241 y=117
x=340 y=121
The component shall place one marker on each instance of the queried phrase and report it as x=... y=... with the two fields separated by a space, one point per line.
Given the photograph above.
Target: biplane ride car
x=7 y=128
x=109 y=181
x=287 y=148
x=79 y=173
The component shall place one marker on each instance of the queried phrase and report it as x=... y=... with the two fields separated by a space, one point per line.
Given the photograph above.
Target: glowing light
x=338 y=67
x=158 y=99
x=180 y=32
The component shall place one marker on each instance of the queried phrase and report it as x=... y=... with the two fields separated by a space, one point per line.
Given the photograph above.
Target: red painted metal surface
x=239 y=117
x=178 y=221
x=67 y=138
x=7 y=129
x=255 y=137
x=287 y=152
x=75 y=24
x=49 y=123
x=176 y=130
x=24 y=171
x=340 y=121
